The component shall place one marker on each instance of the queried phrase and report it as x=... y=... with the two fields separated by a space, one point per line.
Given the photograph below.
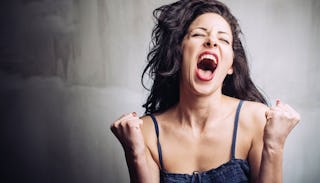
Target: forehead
x=211 y=21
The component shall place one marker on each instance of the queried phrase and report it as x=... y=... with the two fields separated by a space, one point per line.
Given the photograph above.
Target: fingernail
x=278 y=101
x=134 y=114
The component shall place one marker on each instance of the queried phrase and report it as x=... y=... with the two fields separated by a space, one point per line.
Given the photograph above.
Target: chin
x=204 y=90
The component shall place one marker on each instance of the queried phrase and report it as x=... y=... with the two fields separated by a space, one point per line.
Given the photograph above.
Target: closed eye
x=225 y=40
x=197 y=35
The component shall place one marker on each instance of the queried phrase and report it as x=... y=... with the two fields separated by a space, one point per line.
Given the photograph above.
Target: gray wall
x=69 y=68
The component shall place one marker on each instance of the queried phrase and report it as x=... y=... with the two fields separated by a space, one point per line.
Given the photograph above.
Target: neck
x=196 y=111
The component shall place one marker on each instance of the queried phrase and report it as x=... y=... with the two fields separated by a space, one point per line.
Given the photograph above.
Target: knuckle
x=133 y=124
x=291 y=117
x=123 y=116
x=123 y=123
x=113 y=126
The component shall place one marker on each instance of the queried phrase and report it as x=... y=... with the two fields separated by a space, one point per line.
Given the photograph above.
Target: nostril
x=208 y=43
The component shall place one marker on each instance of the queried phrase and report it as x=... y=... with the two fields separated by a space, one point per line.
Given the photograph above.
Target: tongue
x=204 y=75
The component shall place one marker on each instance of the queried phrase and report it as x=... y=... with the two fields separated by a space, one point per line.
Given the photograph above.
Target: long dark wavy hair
x=165 y=56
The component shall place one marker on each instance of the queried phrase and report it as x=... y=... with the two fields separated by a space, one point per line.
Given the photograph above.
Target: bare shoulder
x=148 y=130
x=253 y=113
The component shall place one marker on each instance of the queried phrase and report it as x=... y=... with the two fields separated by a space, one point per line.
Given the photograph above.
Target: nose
x=209 y=43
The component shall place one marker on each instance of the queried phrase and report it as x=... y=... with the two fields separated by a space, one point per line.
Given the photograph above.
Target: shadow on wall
x=57 y=101
x=54 y=132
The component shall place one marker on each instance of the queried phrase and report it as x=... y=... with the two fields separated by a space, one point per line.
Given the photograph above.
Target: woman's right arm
x=142 y=167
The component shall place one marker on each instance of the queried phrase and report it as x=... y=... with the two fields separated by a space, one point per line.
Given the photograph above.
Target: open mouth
x=206 y=66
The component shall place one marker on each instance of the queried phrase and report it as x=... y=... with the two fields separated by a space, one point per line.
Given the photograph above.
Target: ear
x=230 y=71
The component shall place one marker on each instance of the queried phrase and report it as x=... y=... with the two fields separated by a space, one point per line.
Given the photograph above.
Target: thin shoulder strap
x=158 y=141
x=235 y=128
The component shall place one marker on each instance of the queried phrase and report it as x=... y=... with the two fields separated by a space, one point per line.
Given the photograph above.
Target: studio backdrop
x=69 y=68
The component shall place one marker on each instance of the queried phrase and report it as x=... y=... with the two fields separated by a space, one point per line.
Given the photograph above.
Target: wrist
x=275 y=144
x=138 y=166
x=273 y=147
x=134 y=154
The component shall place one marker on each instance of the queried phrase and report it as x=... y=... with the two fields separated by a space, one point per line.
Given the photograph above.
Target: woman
x=205 y=119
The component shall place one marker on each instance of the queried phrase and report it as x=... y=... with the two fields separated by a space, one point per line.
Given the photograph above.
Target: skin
x=196 y=134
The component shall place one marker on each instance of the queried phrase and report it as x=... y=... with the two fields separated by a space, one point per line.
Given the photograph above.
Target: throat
x=199 y=112
x=194 y=119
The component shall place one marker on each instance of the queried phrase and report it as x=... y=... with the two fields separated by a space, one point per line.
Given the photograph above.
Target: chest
x=183 y=152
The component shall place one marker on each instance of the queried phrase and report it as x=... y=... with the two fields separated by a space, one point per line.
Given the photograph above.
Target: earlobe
x=230 y=71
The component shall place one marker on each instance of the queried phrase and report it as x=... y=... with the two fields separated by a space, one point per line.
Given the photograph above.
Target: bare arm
x=138 y=168
x=271 y=165
x=141 y=166
x=266 y=155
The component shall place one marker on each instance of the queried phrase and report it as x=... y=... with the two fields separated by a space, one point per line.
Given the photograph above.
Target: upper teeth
x=209 y=56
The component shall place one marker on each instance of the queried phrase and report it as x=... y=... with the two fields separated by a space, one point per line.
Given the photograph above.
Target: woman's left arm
x=266 y=154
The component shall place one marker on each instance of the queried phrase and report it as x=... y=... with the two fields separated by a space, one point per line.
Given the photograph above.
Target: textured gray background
x=68 y=68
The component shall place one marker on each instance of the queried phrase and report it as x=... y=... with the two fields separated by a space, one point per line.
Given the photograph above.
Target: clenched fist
x=281 y=119
x=127 y=129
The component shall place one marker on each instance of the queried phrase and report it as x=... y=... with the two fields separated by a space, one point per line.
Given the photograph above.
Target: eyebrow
x=202 y=28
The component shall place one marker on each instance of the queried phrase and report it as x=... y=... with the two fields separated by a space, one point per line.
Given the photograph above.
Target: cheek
x=228 y=56
x=186 y=64
x=187 y=56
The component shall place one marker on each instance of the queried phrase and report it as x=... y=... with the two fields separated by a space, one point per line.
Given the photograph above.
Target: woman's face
x=207 y=54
